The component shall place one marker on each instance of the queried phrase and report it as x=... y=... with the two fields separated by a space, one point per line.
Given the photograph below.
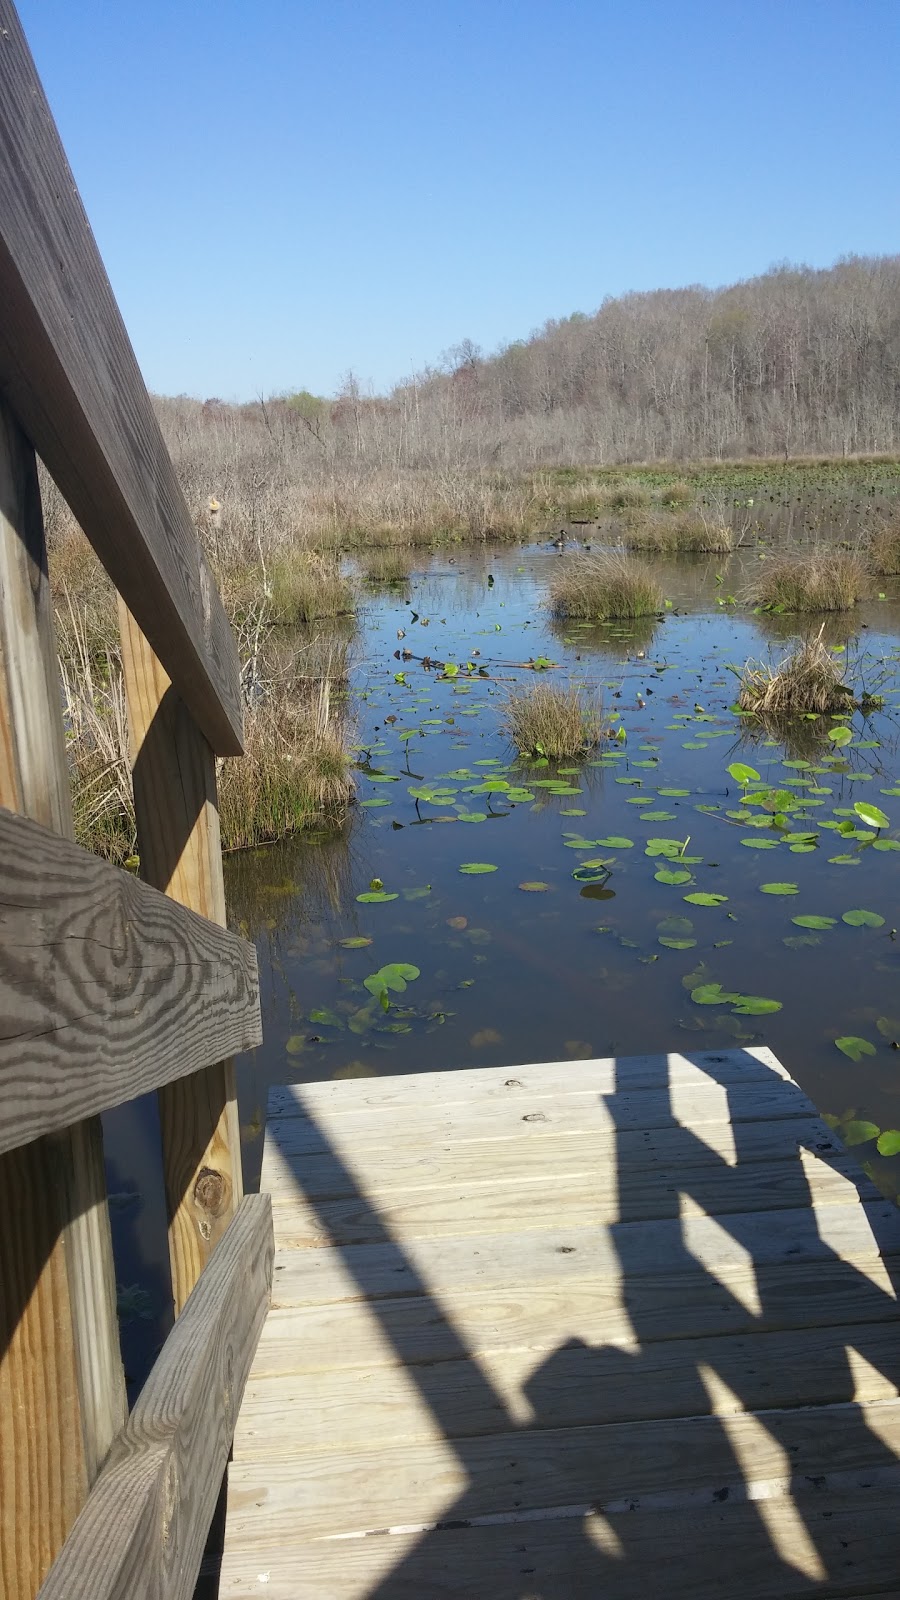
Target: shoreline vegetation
x=302 y=518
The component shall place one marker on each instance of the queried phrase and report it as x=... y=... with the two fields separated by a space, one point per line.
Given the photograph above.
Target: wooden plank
x=569 y=1384
x=68 y=371
x=665 y=1462
x=359 y=1130
x=62 y=1389
x=596 y=1199
x=585 y=1554
x=176 y=804
x=107 y=988
x=143 y=1529
x=533 y=1316
x=691 y=1246
x=606 y=1075
x=638 y=1156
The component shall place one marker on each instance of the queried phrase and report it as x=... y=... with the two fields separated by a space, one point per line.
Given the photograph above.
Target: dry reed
x=820 y=580
x=553 y=720
x=610 y=585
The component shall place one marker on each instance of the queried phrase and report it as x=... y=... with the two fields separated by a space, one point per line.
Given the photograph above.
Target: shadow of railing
x=691 y=1448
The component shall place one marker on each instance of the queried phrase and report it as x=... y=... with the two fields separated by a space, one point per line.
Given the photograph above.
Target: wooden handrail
x=107 y=987
x=68 y=371
x=142 y=1531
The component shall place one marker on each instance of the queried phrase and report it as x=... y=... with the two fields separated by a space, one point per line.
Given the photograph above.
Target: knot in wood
x=211 y=1191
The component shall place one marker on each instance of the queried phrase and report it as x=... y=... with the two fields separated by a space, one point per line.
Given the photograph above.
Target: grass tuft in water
x=681 y=534
x=611 y=585
x=822 y=580
x=552 y=720
x=389 y=564
x=809 y=680
x=884 y=548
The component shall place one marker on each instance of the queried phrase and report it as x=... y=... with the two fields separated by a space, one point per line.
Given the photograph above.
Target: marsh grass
x=679 y=534
x=611 y=585
x=295 y=770
x=807 y=681
x=884 y=548
x=388 y=564
x=553 y=720
x=818 y=580
x=630 y=495
x=675 y=494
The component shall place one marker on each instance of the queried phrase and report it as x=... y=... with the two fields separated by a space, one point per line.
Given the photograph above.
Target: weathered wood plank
x=143 y=1529
x=70 y=374
x=849 y=1533
x=62 y=1389
x=534 y=1316
x=595 y=1199
x=176 y=803
x=387 y=1480
x=606 y=1075
x=107 y=988
x=640 y=1156
x=574 y=1113
x=571 y=1384
x=692 y=1246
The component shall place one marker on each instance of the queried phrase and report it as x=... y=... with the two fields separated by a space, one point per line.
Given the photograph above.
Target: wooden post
x=175 y=798
x=62 y=1390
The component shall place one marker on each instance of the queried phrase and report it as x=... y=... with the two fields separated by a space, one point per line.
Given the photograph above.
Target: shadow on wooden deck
x=625 y=1482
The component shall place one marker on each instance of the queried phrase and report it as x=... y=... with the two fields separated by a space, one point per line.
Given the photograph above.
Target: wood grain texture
x=574 y=1114
x=107 y=988
x=62 y=1389
x=588 y=1554
x=641 y=1158
x=410 y=1091
x=142 y=1531
x=584 y=1201
x=547 y=1468
x=794 y=1295
x=623 y=1332
x=176 y=804
x=577 y=1385
x=69 y=372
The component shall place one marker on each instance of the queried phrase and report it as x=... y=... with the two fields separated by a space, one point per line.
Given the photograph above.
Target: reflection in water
x=507 y=974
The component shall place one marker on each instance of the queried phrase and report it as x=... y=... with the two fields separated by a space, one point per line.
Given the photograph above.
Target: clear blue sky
x=283 y=189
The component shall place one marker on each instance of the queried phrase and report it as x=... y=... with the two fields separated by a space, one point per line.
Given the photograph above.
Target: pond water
x=575 y=936
x=580 y=940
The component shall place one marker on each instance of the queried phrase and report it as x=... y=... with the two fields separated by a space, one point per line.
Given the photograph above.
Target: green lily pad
x=863 y=919
x=672 y=875
x=473 y=868
x=615 y=842
x=873 y=815
x=535 y=888
x=858 y=1132
x=889 y=1142
x=702 y=898
x=779 y=888
x=851 y=1045
x=356 y=942
x=809 y=920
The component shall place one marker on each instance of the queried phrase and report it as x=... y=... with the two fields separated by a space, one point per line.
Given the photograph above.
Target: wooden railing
x=109 y=987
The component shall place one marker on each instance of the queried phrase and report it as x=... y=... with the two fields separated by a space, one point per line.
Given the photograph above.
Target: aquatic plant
x=553 y=720
x=386 y=564
x=681 y=534
x=677 y=493
x=808 y=680
x=611 y=585
x=817 y=580
x=884 y=548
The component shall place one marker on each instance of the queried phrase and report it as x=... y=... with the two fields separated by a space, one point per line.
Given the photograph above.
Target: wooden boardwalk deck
x=592 y=1329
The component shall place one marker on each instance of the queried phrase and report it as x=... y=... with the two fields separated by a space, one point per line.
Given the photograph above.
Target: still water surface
x=600 y=952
